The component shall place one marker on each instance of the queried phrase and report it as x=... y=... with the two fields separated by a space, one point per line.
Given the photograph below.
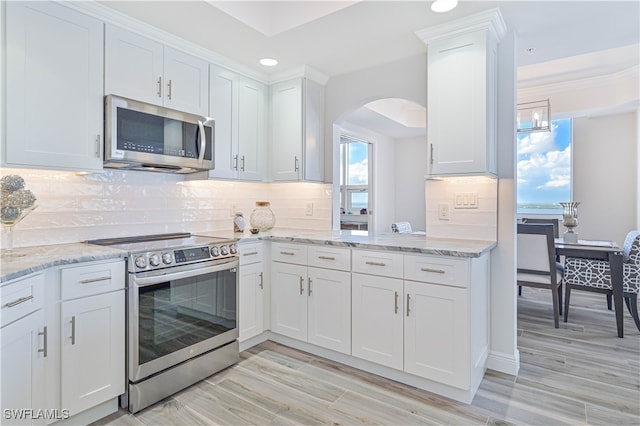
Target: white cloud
x=359 y=172
x=537 y=142
x=546 y=170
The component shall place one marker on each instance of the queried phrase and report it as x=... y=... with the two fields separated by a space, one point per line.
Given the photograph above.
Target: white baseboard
x=504 y=363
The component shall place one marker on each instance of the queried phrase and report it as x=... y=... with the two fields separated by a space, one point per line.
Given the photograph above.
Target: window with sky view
x=544 y=169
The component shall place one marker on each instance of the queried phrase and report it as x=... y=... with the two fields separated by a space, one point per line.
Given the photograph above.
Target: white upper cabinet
x=54 y=97
x=297 y=131
x=461 y=95
x=238 y=106
x=139 y=68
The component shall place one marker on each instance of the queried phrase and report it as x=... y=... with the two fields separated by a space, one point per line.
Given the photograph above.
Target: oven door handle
x=160 y=278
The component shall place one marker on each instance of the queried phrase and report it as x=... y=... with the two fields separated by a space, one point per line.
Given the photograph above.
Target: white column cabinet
x=297 y=131
x=462 y=101
x=251 y=290
x=238 y=106
x=142 y=69
x=54 y=90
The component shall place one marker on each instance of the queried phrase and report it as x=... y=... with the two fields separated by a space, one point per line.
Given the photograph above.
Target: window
x=354 y=175
x=544 y=169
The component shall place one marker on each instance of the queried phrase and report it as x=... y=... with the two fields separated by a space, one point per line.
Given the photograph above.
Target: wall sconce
x=534 y=117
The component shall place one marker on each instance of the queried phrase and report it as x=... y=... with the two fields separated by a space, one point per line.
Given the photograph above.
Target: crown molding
x=490 y=20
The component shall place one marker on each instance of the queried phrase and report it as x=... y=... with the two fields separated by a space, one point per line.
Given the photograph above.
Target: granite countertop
x=406 y=243
x=38 y=258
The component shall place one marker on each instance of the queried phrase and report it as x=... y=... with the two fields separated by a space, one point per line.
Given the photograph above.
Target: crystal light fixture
x=534 y=116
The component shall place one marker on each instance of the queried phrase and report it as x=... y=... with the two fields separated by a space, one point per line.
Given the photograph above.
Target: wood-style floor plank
x=580 y=373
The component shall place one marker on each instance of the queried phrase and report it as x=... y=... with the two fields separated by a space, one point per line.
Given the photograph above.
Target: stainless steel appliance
x=182 y=312
x=143 y=136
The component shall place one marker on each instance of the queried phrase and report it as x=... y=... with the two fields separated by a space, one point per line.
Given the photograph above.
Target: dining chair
x=536 y=263
x=595 y=275
x=554 y=221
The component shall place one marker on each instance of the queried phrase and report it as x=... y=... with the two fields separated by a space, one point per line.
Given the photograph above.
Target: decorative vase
x=262 y=218
x=570 y=221
x=7 y=232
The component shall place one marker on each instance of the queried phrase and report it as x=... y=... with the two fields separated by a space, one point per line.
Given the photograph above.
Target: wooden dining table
x=601 y=250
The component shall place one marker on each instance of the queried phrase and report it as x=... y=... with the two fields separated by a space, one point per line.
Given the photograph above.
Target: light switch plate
x=465 y=200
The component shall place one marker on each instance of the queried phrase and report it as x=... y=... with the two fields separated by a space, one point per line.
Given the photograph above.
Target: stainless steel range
x=182 y=312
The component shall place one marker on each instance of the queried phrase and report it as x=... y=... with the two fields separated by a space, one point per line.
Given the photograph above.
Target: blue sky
x=544 y=165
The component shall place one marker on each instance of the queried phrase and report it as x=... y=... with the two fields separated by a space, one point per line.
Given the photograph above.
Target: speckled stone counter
x=407 y=243
x=36 y=259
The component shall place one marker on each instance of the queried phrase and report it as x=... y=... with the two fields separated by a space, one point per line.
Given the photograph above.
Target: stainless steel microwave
x=143 y=136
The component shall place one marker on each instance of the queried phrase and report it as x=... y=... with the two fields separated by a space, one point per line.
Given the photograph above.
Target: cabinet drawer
x=92 y=279
x=438 y=270
x=250 y=253
x=290 y=253
x=381 y=263
x=21 y=297
x=329 y=257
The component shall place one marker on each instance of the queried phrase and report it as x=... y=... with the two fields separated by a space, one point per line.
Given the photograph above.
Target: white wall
x=74 y=207
x=605 y=175
x=411 y=168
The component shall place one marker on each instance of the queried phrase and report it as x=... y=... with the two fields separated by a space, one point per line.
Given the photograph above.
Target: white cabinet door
x=223 y=108
x=23 y=366
x=92 y=350
x=54 y=97
x=286 y=130
x=329 y=309
x=461 y=104
x=142 y=69
x=251 y=300
x=289 y=300
x=377 y=319
x=313 y=142
x=436 y=334
x=251 y=129
x=186 y=80
x=133 y=66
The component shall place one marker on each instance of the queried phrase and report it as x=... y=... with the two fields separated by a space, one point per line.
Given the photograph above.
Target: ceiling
x=338 y=37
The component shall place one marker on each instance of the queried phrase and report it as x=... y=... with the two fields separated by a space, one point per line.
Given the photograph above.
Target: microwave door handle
x=202 y=140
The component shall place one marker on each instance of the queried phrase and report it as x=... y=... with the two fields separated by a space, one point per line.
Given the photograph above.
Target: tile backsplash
x=75 y=207
x=479 y=223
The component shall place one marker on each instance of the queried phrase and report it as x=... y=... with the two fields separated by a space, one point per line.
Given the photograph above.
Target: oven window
x=177 y=314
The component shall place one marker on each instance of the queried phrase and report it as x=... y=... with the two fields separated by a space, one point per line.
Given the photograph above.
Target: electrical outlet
x=309 y=211
x=443 y=211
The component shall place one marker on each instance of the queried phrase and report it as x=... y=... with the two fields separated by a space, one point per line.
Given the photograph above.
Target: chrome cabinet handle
x=261 y=280
x=310 y=291
x=287 y=253
x=408 y=299
x=202 y=136
x=296 y=164
x=326 y=257
x=431 y=153
x=73 y=330
x=18 y=301
x=235 y=162
x=435 y=271
x=250 y=253
x=396 y=303
x=301 y=285
x=375 y=263
x=45 y=345
x=159 y=92
x=93 y=280
x=170 y=85
x=98 y=147
x=242 y=159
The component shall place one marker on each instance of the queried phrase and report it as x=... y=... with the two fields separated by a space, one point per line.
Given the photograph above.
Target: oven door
x=180 y=313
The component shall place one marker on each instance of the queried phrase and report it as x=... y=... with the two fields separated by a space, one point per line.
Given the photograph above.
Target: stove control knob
x=166 y=258
x=233 y=249
x=141 y=262
x=224 y=250
x=154 y=260
x=215 y=251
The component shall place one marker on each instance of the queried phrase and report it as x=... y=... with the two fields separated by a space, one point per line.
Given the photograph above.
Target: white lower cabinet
x=377 y=319
x=309 y=303
x=251 y=290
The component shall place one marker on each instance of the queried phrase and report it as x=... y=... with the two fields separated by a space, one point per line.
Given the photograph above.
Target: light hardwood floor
x=578 y=374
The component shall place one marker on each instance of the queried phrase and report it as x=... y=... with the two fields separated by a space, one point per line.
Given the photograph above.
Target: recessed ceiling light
x=530 y=50
x=269 y=62
x=443 y=5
